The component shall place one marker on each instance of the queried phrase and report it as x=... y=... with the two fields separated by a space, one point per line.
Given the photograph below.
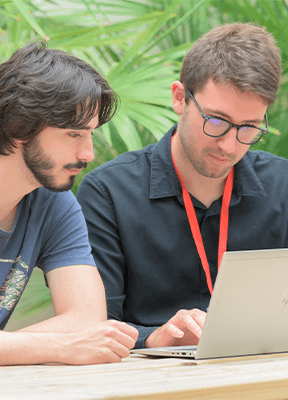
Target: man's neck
x=7 y=221
x=204 y=189
x=14 y=186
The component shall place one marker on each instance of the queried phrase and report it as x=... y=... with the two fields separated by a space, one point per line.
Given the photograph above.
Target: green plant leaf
x=29 y=18
x=144 y=38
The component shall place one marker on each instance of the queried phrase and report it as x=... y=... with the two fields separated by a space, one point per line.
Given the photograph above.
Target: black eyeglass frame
x=238 y=127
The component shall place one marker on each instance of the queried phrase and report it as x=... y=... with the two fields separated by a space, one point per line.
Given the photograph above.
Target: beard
x=199 y=157
x=207 y=171
x=41 y=165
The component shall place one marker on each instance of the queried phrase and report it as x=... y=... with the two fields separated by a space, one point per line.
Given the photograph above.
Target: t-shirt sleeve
x=65 y=239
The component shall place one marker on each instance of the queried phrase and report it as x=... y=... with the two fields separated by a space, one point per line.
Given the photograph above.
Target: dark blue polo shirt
x=141 y=239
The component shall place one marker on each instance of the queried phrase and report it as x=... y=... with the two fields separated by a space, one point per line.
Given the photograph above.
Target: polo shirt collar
x=165 y=183
x=247 y=181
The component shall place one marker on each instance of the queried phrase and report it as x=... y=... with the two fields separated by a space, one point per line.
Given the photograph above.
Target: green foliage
x=138 y=46
x=273 y=14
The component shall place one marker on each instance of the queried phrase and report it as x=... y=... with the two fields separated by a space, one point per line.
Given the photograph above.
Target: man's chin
x=61 y=188
x=219 y=175
x=214 y=173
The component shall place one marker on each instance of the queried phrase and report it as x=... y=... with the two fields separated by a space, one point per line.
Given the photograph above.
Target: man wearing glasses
x=158 y=218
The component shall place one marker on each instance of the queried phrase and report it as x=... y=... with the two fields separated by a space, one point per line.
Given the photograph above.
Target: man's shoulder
x=129 y=161
x=136 y=163
x=266 y=167
x=44 y=199
x=260 y=158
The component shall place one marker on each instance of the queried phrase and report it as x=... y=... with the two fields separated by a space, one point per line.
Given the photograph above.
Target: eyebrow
x=224 y=115
x=86 y=128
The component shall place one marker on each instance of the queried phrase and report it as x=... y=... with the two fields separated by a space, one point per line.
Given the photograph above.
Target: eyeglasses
x=216 y=127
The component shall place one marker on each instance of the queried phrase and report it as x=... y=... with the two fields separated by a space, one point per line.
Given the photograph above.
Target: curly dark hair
x=42 y=87
x=243 y=55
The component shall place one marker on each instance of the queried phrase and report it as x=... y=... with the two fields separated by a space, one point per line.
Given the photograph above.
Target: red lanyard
x=224 y=216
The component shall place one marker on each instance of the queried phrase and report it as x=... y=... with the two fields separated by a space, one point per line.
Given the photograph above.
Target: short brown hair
x=42 y=87
x=243 y=55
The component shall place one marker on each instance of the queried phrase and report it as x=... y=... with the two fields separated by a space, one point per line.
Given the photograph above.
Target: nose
x=228 y=142
x=86 y=150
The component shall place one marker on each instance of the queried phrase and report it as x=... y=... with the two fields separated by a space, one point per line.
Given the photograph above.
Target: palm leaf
x=29 y=18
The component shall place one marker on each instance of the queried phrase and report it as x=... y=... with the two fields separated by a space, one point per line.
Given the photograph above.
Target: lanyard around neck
x=224 y=216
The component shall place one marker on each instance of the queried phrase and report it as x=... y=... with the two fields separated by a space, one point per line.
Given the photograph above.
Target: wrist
x=45 y=347
x=150 y=340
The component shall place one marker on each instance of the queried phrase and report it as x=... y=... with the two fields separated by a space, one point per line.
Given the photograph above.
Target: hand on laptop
x=184 y=328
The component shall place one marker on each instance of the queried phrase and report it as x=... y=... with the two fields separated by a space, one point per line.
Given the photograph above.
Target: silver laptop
x=248 y=312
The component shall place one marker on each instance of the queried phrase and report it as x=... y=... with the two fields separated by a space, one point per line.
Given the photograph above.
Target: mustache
x=220 y=154
x=79 y=165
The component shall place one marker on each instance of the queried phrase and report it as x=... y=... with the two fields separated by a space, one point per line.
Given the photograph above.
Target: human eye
x=218 y=122
x=215 y=126
x=215 y=121
x=247 y=127
x=74 y=134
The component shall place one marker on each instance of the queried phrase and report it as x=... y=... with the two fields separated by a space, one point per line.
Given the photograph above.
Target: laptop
x=248 y=311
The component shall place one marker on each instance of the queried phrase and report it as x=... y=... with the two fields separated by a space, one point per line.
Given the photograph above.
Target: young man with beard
x=50 y=102
x=153 y=215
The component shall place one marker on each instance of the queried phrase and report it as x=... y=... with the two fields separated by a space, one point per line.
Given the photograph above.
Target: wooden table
x=140 y=377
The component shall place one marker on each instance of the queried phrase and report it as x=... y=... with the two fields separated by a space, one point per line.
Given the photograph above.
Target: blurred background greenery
x=138 y=46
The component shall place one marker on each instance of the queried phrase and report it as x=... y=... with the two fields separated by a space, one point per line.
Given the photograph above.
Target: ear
x=178 y=97
x=19 y=143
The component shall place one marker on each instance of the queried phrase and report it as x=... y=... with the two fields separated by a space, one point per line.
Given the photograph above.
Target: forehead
x=227 y=99
x=52 y=130
x=88 y=125
x=93 y=123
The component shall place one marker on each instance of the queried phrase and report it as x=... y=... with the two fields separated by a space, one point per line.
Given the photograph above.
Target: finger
x=125 y=328
x=105 y=353
x=117 y=335
x=108 y=355
x=188 y=322
x=173 y=331
x=122 y=351
x=118 y=349
x=199 y=317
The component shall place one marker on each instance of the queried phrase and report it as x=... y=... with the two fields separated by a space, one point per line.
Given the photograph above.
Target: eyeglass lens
x=246 y=134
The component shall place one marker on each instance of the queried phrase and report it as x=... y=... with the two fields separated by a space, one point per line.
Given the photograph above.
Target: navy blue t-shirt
x=49 y=232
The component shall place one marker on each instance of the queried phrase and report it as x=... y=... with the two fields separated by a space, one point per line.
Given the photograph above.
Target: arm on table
x=78 y=334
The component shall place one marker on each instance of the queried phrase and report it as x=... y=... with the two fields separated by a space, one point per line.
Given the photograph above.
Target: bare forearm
x=79 y=333
x=107 y=341
x=70 y=321
x=17 y=348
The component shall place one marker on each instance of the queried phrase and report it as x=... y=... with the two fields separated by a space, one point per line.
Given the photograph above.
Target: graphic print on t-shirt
x=13 y=285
